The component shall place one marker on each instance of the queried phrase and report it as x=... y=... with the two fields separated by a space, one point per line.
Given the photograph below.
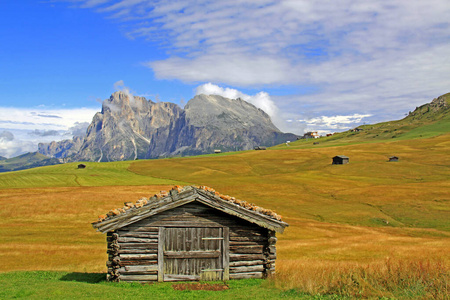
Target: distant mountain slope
x=26 y=161
x=425 y=121
x=129 y=128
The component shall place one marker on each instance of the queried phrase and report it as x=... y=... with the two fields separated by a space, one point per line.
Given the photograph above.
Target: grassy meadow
x=371 y=228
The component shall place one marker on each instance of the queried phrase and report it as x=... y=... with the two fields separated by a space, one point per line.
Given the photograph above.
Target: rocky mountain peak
x=217 y=110
x=130 y=127
x=125 y=102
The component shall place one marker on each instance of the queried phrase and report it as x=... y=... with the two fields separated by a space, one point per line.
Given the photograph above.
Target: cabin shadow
x=84 y=277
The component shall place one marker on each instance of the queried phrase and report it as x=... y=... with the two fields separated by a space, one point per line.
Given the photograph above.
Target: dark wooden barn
x=340 y=160
x=81 y=166
x=393 y=158
x=190 y=233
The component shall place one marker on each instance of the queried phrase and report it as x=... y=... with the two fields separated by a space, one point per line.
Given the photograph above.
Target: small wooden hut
x=340 y=160
x=393 y=158
x=81 y=166
x=190 y=233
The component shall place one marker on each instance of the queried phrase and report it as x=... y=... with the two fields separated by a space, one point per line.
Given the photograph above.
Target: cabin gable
x=190 y=241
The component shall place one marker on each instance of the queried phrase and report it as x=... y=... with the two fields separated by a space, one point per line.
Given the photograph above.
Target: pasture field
x=348 y=223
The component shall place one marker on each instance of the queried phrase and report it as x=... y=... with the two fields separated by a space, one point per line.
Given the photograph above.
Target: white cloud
x=30 y=126
x=43 y=119
x=11 y=146
x=369 y=57
x=334 y=123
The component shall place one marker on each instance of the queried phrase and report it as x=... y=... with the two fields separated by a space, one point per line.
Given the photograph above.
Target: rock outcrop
x=61 y=149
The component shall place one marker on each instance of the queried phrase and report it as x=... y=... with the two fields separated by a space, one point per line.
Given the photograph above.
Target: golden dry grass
x=49 y=228
x=350 y=219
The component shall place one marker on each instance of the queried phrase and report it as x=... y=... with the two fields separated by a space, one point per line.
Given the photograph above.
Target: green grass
x=68 y=175
x=64 y=285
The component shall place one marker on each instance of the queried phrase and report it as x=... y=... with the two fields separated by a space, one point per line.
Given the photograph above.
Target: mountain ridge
x=130 y=127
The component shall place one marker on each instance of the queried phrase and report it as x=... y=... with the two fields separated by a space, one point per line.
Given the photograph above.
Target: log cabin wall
x=201 y=235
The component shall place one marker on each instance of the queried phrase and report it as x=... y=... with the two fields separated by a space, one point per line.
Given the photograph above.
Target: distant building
x=340 y=160
x=311 y=135
x=217 y=151
x=393 y=158
x=260 y=148
x=357 y=129
x=81 y=166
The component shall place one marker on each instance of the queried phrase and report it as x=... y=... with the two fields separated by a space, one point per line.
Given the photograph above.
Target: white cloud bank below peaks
x=21 y=129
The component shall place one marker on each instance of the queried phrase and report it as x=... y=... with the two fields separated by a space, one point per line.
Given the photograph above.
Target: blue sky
x=312 y=65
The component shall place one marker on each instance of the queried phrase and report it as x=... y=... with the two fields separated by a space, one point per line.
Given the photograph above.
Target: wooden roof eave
x=185 y=198
x=146 y=211
x=243 y=213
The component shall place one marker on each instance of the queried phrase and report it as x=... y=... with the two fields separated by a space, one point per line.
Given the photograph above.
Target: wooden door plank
x=161 y=254
x=192 y=254
x=226 y=253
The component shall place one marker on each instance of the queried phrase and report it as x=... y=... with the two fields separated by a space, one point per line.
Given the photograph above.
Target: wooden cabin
x=393 y=158
x=81 y=166
x=340 y=160
x=190 y=233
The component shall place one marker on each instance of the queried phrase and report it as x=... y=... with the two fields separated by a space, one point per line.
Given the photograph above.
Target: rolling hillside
x=26 y=161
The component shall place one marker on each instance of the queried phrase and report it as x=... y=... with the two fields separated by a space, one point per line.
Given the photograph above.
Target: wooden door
x=192 y=253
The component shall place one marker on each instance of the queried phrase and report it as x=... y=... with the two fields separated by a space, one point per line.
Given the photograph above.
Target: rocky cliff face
x=62 y=149
x=129 y=128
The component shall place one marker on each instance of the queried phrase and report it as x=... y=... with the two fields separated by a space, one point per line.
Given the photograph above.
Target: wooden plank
x=247 y=231
x=136 y=229
x=138 y=277
x=226 y=253
x=247 y=249
x=161 y=254
x=272 y=250
x=137 y=262
x=138 y=235
x=133 y=256
x=247 y=263
x=136 y=251
x=253 y=243
x=176 y=277
x=246 y=275
x=134 y=269
x=137 y=240
x=243 y=257
x=137 y=246
x=253 y=238
x=192 y=254
x=246 y=269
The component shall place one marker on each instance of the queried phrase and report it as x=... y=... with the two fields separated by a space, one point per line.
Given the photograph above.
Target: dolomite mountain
x=130 y=128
